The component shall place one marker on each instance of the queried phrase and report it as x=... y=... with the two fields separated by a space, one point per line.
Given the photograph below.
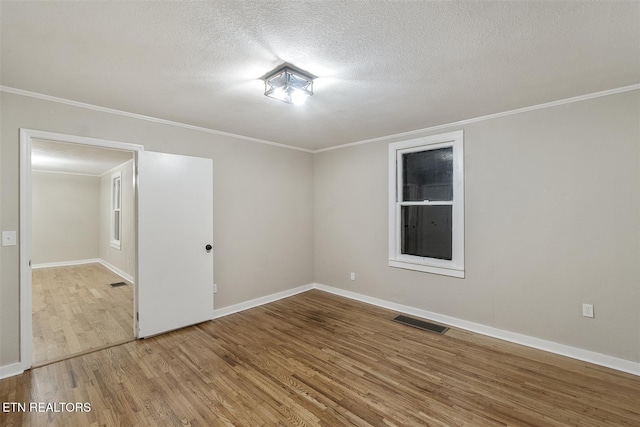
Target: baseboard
x=225 y=311
x=65 y=263
x=11 y=370
x=552 y=347
x=116 y=270
x=540 y=344
x=107 y=265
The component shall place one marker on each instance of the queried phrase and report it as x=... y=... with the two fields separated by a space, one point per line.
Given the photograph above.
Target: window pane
x=116 y=193
x=426 y=231
x=428 y=175
x=116 y=225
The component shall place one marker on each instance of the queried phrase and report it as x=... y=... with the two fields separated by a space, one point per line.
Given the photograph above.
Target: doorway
x=83 y=248
x=173 y=209
x=68 y=258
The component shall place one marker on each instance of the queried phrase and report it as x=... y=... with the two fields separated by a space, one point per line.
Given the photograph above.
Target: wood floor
x=316 y=359
x=75 y=309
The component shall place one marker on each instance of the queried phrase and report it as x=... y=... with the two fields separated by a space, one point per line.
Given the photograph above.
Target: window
x=426 y=204
x=116 y=209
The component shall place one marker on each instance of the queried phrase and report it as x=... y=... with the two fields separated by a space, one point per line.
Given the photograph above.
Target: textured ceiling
x=383 y=67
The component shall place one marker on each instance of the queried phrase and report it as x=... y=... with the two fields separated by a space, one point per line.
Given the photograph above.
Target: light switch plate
x=8 y=238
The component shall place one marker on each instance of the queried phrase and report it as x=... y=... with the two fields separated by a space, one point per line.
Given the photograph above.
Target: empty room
x=320 y=213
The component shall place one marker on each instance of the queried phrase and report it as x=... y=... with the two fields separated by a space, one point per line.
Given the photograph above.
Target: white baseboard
x=225 y=311
x=113 y=268
x=11 y=370
x=550 y=346
x=65 y=263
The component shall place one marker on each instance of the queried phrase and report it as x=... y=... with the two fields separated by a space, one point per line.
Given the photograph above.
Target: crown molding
x=72 y=103
x=487 y=117
x=50 y=98
x=91 y=175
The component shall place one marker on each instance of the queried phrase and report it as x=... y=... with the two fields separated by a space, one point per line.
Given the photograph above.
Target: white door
x=175 y=229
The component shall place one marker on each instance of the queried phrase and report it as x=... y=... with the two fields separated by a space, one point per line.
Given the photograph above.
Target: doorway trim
x=26 y=296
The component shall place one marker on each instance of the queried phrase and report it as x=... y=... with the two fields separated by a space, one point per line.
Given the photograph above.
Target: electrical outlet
x=353 y=276
x=215 y=288
x=587 y=310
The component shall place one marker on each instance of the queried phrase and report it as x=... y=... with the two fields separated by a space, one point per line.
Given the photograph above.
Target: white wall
x=552 y=213
x=64 y=217
x=263 y=221
x=124 y=258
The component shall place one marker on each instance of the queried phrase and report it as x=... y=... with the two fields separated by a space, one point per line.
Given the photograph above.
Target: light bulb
x=298 y=97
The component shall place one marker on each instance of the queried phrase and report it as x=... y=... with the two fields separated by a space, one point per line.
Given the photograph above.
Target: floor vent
x=115 y=285
x=421 y=324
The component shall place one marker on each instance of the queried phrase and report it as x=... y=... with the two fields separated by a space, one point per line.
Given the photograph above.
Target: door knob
x=208 y=247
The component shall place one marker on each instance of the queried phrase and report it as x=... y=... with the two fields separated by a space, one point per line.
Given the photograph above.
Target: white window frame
x=116 y=206
x=454 y=267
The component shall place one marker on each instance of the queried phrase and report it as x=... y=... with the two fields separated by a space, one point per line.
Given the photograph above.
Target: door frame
x=26 y=296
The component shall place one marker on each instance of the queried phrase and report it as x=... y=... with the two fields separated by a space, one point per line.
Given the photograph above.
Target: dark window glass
x=428 y=175
x=426 y=231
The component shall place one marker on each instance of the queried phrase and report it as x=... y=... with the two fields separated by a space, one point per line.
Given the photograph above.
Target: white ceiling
x=63 y=157
x=384 y=67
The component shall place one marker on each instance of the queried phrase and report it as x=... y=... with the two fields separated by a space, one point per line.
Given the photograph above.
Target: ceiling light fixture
x=288 y=84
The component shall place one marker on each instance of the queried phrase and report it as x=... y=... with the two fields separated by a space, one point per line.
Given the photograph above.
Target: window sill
x=115 y=245
x=427 y=268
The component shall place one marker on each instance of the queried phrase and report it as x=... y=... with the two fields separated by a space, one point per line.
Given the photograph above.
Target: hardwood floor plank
x=316 y=359
x=75 y=309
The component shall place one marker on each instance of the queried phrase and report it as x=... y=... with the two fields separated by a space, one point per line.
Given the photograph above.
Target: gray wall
x=552 y=216
x=64 y=217
x=123 y=258
x=263 y=222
